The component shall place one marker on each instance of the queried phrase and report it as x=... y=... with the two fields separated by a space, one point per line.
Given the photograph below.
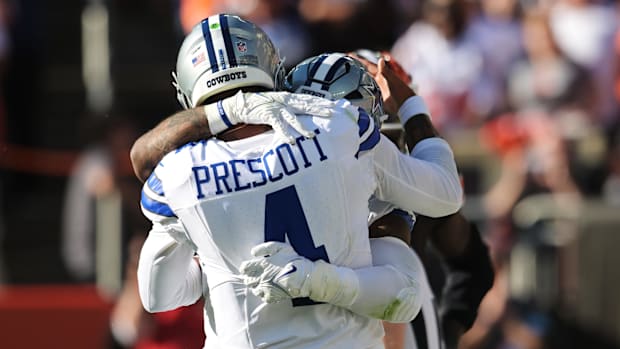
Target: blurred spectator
x=102 y=169
x=327 y=10
x=584 y=31
x=534 y=160
x=546 y=92
x=545 y=80
x=523 y=325
x=193 y=11
x=611 y=185
x=346 y=25
x=132 y=327
x=444 y=65
x=616 y=66
x=534 y=166
x=177 y=329
x=520 y=326
x=128 y=318
x=496 y=32
x=281 y=21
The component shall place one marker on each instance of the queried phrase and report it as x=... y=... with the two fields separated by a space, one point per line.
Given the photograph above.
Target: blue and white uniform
x=231 y=196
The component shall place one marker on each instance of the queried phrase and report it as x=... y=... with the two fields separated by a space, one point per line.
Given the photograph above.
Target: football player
x=464 y=257
x=212 y=193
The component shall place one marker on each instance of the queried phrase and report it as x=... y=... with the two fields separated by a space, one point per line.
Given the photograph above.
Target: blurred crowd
x=526 y=91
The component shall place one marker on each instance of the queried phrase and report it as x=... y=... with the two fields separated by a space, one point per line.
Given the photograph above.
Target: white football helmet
x=221 y=53
x=334 y=76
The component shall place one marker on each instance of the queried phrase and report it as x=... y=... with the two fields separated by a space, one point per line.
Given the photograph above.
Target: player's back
x=313 y=194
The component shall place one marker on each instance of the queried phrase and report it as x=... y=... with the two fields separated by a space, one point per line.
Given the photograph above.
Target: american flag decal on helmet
x=198 y=59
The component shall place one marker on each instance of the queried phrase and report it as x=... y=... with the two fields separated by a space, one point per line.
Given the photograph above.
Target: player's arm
x=469 y=270
x=174 y=131
x=168 y=275
x=397 y=224
x=464 y=256
x=396 y=91
x=427 y=181
x=278 y=273
x=276 y=109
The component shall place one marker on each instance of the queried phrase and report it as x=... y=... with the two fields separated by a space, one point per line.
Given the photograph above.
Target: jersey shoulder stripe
x=154 y=184
x=155 y=206
x=153 y=201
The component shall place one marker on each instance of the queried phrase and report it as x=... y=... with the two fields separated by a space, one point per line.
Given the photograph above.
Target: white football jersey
x=231 y=196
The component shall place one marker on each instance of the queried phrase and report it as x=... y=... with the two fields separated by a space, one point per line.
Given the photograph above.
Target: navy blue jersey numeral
x=284 y=217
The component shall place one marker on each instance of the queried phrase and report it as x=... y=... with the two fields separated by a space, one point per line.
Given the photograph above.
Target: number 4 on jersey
x=284 y=216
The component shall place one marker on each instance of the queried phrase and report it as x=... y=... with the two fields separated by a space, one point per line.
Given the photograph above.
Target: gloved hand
x=277 y=109
x=277 y=273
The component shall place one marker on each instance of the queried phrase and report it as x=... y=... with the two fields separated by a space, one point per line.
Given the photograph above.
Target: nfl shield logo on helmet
x=241 y=46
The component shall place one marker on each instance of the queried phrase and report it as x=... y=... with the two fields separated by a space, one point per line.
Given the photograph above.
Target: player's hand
x=277 y=109
x=394 y=90
x=394 y=83
x=277 y=272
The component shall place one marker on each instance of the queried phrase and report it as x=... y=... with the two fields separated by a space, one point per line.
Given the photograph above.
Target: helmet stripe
x=232 y=60
x=218 y=41
x=332 y=71
x=314 y=68
x=323 y=67
x=206 y=33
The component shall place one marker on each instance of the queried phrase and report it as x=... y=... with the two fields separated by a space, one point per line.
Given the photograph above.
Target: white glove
x=277 y=109
x=406 y=307
x=278 y=273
